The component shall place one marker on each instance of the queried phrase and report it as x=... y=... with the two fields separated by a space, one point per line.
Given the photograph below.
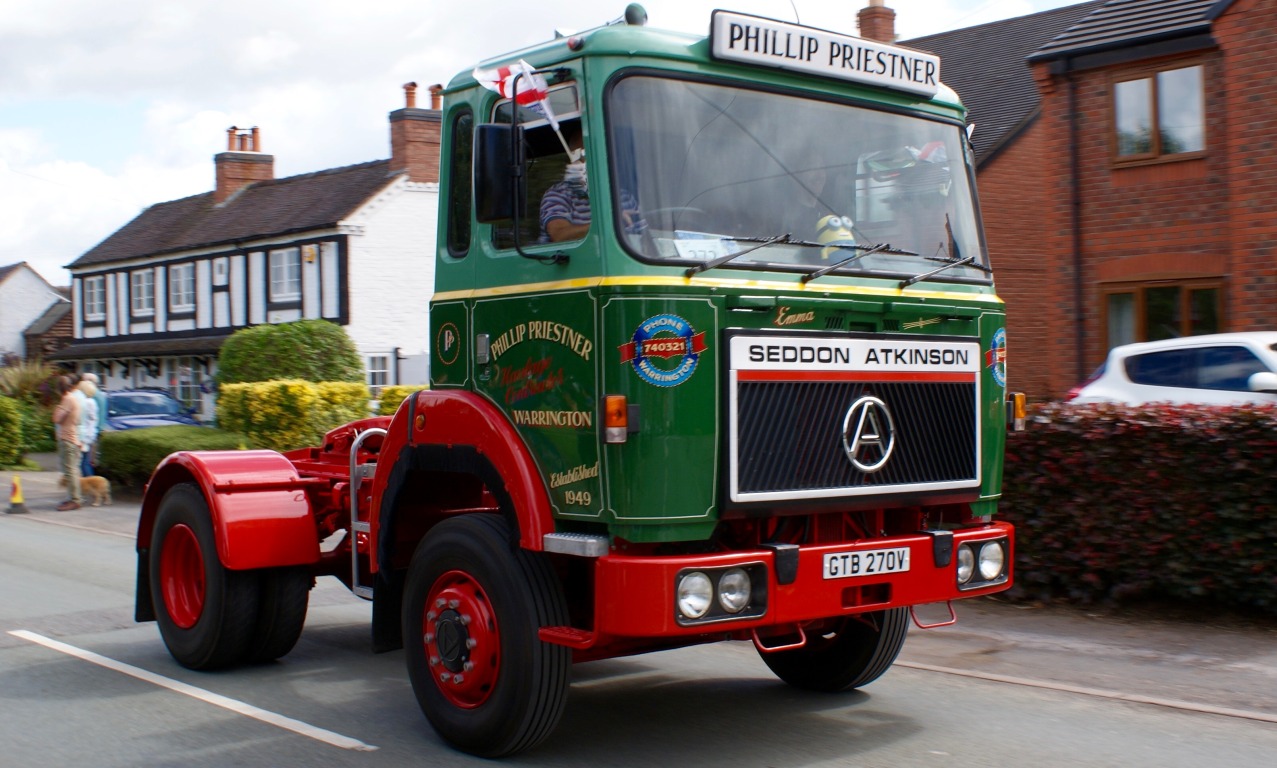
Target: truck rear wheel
x=473 y=605
x=857 y=651
x=281 y=612
x=205 y=612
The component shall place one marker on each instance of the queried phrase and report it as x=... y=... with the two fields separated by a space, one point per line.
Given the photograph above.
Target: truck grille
x=790 y=433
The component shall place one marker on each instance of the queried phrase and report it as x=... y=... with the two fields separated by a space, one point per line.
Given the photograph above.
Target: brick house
x=1126 y=195
x=155 y=300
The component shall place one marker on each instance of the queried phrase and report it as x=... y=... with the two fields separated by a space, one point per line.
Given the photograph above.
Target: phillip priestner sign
x=769 y=43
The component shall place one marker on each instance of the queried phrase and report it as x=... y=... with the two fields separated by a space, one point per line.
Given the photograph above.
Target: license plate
x=866 y=562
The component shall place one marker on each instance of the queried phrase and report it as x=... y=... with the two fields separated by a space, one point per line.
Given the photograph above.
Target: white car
x=1216 y=369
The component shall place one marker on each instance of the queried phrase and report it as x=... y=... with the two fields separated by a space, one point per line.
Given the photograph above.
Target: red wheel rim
x=462 y=640
x=182 y=576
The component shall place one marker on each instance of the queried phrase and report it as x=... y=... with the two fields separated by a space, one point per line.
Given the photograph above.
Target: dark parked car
x=137 y=408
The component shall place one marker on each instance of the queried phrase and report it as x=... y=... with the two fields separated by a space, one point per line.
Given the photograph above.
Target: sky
x=108 y=108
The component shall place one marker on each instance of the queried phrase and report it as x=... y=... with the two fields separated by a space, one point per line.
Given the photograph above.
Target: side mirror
x=1264 y=381
x=498 y=172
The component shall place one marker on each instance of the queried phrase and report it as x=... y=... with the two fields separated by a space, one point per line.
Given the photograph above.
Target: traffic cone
x=16 y=505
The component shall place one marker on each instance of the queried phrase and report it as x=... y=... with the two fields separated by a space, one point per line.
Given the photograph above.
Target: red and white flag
x=533 y=91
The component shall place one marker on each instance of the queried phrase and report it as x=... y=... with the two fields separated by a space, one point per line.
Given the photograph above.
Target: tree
x=311 y=350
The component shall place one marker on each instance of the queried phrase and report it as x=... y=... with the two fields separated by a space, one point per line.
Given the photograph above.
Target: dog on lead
x=94 y=487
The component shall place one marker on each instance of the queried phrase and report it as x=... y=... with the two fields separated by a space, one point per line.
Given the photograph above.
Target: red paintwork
x=457 y=417
x=182 y=576
x=257 y=501
x=458 y=592
x=634 y=596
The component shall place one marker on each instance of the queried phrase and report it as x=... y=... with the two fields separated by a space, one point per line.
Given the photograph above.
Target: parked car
x=1215 y=369
x=137 y=408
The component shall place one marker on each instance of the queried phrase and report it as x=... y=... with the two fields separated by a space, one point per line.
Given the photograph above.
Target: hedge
x=129 y=457
x=1113 y=503
x=289 y=414
x=11 y=444
x=392 y=396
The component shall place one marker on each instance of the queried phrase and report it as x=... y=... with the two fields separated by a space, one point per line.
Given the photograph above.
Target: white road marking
x=217 y=700
x=1133 y=698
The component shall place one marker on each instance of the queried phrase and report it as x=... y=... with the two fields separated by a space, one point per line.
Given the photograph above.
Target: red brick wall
x=1245 y=34
x=415 y=136
x=1012 y=202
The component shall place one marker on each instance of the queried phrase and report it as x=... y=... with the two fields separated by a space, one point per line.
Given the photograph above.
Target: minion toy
x=834 y=231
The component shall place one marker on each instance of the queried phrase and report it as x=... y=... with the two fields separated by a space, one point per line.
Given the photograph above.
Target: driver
x=565 y=206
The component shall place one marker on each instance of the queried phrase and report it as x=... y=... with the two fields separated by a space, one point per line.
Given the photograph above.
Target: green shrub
x=311 y=350
x=38 y=435
x=129 y=457
x=36 y=382
x=284 y=415
x=1167 y=502
x=10 y=431
x=391 y=397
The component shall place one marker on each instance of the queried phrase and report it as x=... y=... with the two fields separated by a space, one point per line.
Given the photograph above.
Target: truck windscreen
x=716 y=169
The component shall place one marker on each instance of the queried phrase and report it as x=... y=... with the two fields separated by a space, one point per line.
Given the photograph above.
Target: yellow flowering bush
x=392 y=397
x=289 y=413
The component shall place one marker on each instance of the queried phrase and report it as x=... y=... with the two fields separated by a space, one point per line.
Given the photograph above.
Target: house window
x=94 y=298
x=181 y=287
x=142 y=292
x=182 y=379
x=1160 y=115
x=378 y=373
x=286 y=275
x=1156 y=311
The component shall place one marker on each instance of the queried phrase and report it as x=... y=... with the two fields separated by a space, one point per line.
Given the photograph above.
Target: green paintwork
x=558 y=333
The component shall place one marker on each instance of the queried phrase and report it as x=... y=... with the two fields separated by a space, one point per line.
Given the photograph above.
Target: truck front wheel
x=854 y=651
x=206 y=613
x=473 y=605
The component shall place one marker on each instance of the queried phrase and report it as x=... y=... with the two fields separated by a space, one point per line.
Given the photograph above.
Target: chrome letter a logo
x=868 y=434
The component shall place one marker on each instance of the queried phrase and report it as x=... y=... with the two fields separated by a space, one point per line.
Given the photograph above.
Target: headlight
x=695 y=592
x=992 y=558
x=734 y=589
x=966 y=564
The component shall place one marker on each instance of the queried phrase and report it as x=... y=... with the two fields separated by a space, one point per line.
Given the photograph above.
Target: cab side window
x=459 y=184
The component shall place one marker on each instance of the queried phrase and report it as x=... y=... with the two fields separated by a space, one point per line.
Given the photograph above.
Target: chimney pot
x=410 y=95
x=436 y=96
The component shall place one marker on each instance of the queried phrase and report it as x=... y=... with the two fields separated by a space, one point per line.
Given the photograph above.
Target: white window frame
x=142 y=292
x=378 y=372
x=286 y=274
x=95 y=297
x=181 y=287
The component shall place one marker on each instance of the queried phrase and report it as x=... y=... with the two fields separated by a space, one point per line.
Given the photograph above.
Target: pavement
x=41 y=496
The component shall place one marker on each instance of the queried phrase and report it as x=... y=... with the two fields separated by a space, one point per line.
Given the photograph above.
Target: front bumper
x=635 y=596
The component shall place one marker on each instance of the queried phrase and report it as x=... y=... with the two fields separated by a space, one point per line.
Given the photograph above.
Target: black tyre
x=856 y=652
x=473 y=604
x=284 y=595
x=206 y=612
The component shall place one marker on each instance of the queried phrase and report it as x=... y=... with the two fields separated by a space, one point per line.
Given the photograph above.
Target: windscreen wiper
x=721 y=260
x=862 y=251
x=948 y=265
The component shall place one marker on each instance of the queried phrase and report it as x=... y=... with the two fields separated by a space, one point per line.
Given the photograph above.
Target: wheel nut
x=453 y=604
x=445 y=677
x=430 y=615
x=457 y=679
x=465 y=619
x=440 y=603
x=430 y=637
x=434 y=661
x=471 y=643
x=468 y=666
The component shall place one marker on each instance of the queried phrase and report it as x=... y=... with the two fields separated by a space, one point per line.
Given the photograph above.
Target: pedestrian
x=100 y=399
x=88 y=426
x=66 y=417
